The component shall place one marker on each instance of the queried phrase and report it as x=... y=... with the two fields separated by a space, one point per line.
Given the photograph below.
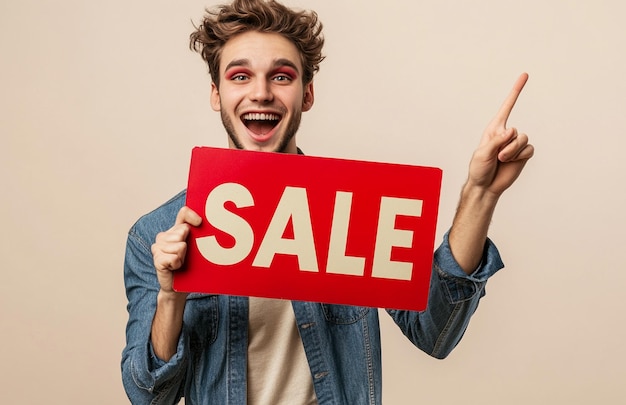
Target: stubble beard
x=292 y=127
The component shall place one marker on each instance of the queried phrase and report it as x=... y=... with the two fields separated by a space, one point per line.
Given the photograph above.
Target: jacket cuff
x=459 y=285
x=156 y=371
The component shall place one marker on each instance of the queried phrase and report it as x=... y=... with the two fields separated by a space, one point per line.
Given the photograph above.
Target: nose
x=261 y=91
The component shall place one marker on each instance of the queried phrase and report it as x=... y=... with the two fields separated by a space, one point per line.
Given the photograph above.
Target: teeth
x=260 y=117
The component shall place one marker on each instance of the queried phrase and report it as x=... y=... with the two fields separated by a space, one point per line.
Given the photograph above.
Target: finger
x=505 y=110
x=494 y=145
x=177 y=233
x=517 y=149
x=526 y=153
x=176 y=248
x=169 y=256
x=170 y=262
x=187 y=215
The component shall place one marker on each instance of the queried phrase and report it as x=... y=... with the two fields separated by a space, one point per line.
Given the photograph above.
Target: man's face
x=261 y=95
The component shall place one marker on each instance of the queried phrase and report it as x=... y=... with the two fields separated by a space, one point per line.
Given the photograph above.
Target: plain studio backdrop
x=101 y=103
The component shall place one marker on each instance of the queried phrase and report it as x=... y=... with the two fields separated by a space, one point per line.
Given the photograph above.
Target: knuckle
x=155 y=248
x=180 y=231
x=160 y=236
x=167 y=262
x=160 y=263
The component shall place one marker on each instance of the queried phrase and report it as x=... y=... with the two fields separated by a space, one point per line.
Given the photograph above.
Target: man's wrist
x=475 y=195
x=171 y=298
x=167 y=323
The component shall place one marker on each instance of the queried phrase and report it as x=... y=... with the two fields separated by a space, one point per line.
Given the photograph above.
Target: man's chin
x=280 y=145
x=253 y=146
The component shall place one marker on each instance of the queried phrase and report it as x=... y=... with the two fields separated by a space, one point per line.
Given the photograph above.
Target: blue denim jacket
x=342 y=343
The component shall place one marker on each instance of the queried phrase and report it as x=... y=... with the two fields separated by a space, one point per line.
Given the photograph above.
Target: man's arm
x=495 y=165
x=452 y=299
x=169 y=252
x=146 y=377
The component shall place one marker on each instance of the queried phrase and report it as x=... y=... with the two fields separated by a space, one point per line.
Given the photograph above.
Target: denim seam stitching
x=331 y=317
x=139 y=240
x=368 y=359
x=133 y=373
x=443 y=335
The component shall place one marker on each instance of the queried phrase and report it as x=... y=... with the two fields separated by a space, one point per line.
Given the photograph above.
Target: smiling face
x=261 y=95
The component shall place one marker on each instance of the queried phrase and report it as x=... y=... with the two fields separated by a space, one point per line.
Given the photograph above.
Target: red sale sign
x=310 y=229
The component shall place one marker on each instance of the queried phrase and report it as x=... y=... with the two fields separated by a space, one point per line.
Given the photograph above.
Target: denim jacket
x=342 y=343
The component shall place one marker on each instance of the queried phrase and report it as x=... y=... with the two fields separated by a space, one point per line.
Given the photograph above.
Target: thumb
x=499 y=141
x=189 y=216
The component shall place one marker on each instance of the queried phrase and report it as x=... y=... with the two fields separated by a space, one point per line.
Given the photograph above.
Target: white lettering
x=338 y=262
x=226 y=221
x=387 y=237
x=293 y=204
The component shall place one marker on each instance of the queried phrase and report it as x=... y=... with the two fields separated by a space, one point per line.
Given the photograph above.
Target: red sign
x=311 y=229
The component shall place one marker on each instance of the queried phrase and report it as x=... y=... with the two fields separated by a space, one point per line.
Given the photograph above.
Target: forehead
x=259 y=50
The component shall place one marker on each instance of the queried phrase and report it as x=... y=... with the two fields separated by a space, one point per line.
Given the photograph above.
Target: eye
x=284 y=75
x=239 y=77
x=282 y=78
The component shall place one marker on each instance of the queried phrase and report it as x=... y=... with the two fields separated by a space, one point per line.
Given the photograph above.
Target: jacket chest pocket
x=202 y=315
x=343 y=314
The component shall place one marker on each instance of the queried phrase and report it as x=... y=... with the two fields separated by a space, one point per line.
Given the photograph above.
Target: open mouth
x=260 y=123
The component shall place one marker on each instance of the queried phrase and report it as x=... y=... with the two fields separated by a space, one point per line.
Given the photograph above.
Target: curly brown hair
x=302 y=28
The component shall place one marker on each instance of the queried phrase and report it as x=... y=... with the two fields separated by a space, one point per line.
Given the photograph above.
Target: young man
x=231 y=350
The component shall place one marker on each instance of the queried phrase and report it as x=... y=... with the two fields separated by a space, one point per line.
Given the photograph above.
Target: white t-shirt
x=278 y=371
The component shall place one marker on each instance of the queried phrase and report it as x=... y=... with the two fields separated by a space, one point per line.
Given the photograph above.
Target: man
x=221 y=349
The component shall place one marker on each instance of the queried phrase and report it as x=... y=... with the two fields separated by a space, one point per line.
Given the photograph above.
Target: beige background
x=101 y=103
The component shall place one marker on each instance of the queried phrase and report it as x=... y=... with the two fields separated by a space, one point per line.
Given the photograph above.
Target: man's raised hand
x=502 y=152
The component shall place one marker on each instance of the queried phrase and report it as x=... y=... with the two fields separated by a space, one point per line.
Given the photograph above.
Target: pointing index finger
x=506 y=108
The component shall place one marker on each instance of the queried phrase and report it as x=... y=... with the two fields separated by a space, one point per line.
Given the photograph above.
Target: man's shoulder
x=161 y=218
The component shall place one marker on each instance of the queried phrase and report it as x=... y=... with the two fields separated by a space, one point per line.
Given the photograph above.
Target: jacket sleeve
x=147 y=379
x=452 y=300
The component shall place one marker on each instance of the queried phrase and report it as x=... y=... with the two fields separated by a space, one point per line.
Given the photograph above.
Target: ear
x=215 y=98
x=309 y=97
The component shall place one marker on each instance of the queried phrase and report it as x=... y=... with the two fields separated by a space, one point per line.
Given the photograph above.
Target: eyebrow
x=276 y=64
